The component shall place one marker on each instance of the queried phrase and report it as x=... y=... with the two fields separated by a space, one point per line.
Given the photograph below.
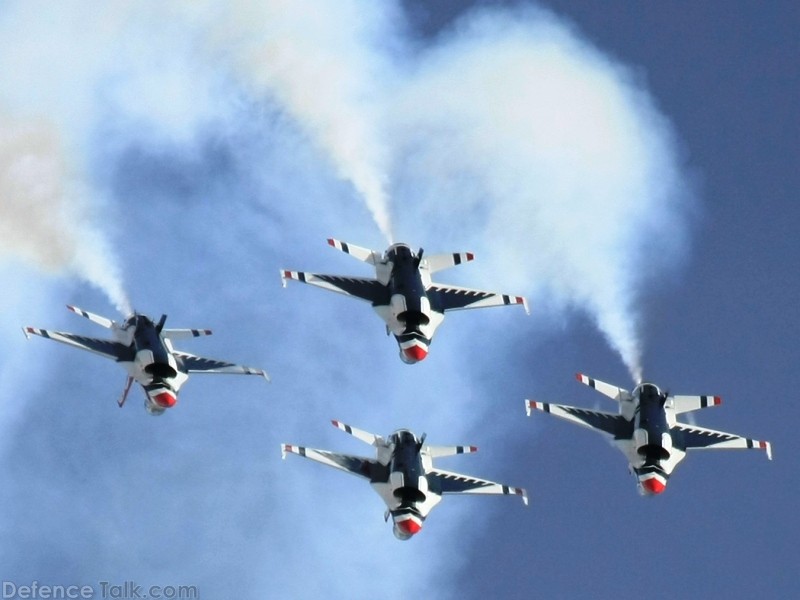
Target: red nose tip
x=653 y=486
x=415 y=352
x=165 y=400
x=410 y=526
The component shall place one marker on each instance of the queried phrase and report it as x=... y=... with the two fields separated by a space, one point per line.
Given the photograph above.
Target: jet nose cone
x=165 y=399
x=406 y=528
x=414 y=353
x=653 y=486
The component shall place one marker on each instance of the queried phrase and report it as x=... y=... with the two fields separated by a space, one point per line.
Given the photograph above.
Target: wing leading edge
x=690 y=437
x=355 y=465
x=199 y=364
x=447 y=482
x=364 y=288
x=611 y=424
x=449 y=297
x=108 y=348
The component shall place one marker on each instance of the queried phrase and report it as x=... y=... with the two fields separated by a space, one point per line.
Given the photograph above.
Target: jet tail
x=363 y=254
x=440 y=262
x=364 y=436
x=103 y=321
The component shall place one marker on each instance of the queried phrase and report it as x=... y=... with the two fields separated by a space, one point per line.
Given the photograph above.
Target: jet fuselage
x=408 y=485
x=154 y=365
x=410 y=309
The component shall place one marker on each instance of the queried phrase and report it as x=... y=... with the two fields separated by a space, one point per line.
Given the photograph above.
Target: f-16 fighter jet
x=646 y=430
x=402 y=292
x=403 y=475
x=144 y=349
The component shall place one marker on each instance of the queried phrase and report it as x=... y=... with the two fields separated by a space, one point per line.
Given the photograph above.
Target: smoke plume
x=45 y=218
x=324 y=62
x=516 y=134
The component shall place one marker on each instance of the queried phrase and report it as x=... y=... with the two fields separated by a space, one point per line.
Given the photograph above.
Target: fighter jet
x=646 y=430
x=403 y=475
x=402 y=293
x=144 y=349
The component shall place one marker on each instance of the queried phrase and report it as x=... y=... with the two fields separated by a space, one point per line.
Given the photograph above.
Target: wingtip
x=27 y=331
x=284 y=450
x=266 y=376
x=525 y=305
x=284 y=275
x=769 y=450
x=524 y=496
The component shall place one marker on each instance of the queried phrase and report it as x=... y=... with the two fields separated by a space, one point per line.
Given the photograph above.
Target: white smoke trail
x=45 y=218
x=516 y=133
x=323 y=62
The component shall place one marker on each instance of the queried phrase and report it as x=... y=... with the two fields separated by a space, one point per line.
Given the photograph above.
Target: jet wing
x=199 y=364
x=610 y=424
x=446 y=482
x=367 y=289
x=363 y=467
x=108 y=348
x=690 y=437
x=449 y=297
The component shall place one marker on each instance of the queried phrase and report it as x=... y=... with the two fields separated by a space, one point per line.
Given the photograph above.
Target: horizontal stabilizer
x=182 y=334
x=105 y=322
x=440 y=262
x=615 y=393
x=363 y=254
x=437 y=451
x=364 y=436
x=684 y=404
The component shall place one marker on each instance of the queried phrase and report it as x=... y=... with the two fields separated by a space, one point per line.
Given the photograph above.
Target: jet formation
x=402 y=293
x=144 y=348
x=646 y=430
x=403 y=475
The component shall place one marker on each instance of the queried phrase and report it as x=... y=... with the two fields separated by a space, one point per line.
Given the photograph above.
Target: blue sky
x=203 y=177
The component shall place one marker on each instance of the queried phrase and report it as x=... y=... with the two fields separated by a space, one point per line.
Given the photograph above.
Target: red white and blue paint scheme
x=402 y=293
x=646 y=430
x=403 y=475
x=144 y=349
